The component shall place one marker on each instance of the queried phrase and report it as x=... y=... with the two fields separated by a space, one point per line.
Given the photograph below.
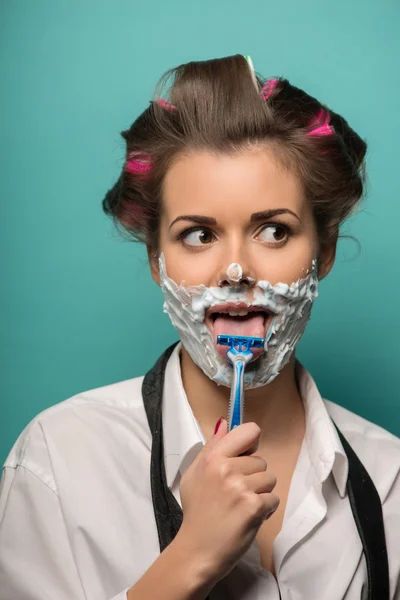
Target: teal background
x=79 y=309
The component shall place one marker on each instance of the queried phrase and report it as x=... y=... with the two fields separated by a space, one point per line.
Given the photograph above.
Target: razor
x=240 y=354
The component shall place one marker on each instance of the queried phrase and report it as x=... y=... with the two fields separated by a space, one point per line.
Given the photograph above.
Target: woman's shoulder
x=82 y=426
x=376 y=447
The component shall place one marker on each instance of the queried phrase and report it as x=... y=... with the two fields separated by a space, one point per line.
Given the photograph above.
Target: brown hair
x=215 y=105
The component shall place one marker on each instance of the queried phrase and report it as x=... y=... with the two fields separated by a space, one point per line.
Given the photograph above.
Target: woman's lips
x=254 y=324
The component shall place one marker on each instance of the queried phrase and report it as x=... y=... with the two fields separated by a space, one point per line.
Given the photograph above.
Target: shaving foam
x=234 y=272
x=290 y=304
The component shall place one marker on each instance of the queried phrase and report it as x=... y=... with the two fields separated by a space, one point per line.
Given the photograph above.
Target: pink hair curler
x=321 y=124
x=268 y=87
x=137 y=163
x=165 y=104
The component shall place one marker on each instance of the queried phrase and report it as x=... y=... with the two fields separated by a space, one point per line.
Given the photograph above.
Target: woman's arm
x=175 y=575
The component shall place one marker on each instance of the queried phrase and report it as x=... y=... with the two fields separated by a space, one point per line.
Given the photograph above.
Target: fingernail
x=217 y=425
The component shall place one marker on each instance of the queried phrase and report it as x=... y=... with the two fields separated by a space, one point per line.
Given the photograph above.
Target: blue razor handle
x=239 y=354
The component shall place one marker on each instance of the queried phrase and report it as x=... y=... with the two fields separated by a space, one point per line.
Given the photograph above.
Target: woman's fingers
x=261 y=483
x=247 y=465
x=242 y=439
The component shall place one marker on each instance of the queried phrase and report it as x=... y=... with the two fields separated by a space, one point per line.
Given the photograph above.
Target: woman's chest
x=270 y=529
x=283 y=468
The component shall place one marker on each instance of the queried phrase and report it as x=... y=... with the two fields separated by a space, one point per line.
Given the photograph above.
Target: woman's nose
x=236 y=275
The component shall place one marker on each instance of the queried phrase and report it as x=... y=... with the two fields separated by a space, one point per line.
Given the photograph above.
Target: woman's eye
x=274 y=233
x=198 y=237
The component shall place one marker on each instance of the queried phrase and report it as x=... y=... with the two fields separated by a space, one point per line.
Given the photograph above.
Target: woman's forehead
x=249 y=181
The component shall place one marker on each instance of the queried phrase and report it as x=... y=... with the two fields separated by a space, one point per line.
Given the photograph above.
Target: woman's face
x=223 y=209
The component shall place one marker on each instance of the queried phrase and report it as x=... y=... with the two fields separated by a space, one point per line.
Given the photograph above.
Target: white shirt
x=77 y=520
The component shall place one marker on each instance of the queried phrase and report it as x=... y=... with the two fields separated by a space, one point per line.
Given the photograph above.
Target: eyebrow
x=195 y=219
x=255 y=217
x=268 y=214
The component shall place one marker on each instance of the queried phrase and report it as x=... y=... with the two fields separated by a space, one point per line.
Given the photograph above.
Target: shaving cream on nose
x=290 y=304
x=234 y=272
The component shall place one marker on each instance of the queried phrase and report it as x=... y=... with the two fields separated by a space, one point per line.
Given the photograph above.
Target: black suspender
x=167 y=511
x=363 y=496
x=367 y=511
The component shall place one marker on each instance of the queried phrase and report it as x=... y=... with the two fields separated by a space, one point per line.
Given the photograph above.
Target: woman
x=238 y=187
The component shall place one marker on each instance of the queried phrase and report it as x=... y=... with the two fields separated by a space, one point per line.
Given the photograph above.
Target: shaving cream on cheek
x=291 y=305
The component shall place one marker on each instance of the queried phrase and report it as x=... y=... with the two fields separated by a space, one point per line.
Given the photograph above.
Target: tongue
x=249 y=326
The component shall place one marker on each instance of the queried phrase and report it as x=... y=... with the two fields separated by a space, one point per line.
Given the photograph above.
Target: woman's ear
x=152 y=255
x=327 y=258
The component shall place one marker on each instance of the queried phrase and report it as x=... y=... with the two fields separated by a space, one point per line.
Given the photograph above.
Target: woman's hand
x=226 y=496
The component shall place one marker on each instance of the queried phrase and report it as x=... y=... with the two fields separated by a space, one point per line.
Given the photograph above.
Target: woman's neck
x=277 y=408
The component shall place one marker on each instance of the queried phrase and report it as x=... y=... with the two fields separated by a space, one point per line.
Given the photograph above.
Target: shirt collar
x=183 y=437
x=324 y=447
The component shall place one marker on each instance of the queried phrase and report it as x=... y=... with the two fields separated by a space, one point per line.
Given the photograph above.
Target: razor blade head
x=240 y=343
